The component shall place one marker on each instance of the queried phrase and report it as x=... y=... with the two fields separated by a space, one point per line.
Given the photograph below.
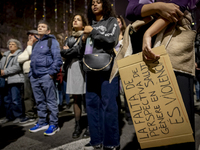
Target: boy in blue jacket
x=45 y=64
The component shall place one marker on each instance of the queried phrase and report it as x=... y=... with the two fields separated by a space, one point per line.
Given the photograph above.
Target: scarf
x=77 y=34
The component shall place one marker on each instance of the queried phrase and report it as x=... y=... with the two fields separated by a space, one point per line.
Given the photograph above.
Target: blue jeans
x=102 y=109
x=13 y=101
x=44 y=91
x=1 y=96
x=57 y=93
x=67 y=98
x=61 y=93
x=197 y=87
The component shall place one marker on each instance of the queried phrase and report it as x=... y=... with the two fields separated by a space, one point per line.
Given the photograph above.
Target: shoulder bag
x=97 y=61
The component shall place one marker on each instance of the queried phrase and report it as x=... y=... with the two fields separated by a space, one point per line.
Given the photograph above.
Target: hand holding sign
x=154 y=100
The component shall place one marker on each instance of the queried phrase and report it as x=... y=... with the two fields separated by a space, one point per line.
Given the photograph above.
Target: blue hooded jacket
x=43 y=60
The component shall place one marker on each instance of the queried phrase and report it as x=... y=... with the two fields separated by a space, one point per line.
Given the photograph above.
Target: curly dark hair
x=84 y=21
x=123 y=24
x=108 y=11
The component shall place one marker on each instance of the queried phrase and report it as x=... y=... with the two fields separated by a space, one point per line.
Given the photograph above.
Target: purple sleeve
x=181 y=3
x=133 y=10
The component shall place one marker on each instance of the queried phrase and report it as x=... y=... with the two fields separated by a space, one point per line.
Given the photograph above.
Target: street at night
x=17 y=136
x=81 y=74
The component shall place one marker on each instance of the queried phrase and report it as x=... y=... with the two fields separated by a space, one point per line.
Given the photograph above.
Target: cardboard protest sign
x=154 y=100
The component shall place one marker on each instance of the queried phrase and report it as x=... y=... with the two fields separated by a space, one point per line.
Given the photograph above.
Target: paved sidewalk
x=17 y=136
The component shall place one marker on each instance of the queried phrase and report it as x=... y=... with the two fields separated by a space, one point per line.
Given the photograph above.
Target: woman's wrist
x=157 y=7
x=147 y=34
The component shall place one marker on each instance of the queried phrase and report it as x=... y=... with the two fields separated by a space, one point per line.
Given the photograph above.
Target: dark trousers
x=127 y=111
x=186 y=86
x=29 y=100
x=197 y=75
x=1 y=96
x=13 y=101
x=2 y=109
x=44 y=91
x=102 y=109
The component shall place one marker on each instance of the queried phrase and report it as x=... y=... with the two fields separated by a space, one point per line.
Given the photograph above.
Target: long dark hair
x=123 y=24
x=84 y=21
x=108 y=11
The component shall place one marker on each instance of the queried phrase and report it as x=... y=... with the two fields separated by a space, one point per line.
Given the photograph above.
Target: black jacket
x=76 y=51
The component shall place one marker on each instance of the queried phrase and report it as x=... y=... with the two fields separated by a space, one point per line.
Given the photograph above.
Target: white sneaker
x=5 y=120
x=90 y=147
x=17 y=120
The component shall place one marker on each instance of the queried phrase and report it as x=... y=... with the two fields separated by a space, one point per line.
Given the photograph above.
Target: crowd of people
x=43 y=75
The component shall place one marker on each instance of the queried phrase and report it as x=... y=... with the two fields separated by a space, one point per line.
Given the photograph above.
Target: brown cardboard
x=154 y=101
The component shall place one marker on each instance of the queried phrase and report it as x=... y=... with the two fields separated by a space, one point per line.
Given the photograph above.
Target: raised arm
x=110 y=36
x=171 y=11
x=25 y=56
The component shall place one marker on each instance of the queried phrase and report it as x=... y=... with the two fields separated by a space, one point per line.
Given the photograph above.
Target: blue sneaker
x=52 y=130
x=38 y=127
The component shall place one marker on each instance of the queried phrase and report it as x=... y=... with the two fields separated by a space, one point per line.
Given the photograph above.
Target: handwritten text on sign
x=152 y=101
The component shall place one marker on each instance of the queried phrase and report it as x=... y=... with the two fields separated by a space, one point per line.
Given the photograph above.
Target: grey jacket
x=13 y=72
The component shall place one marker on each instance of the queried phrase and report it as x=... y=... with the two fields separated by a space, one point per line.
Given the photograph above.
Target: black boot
x=86 y=134
x=77 y=130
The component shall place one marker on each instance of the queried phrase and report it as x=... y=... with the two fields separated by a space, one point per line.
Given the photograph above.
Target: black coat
x=76 y=51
